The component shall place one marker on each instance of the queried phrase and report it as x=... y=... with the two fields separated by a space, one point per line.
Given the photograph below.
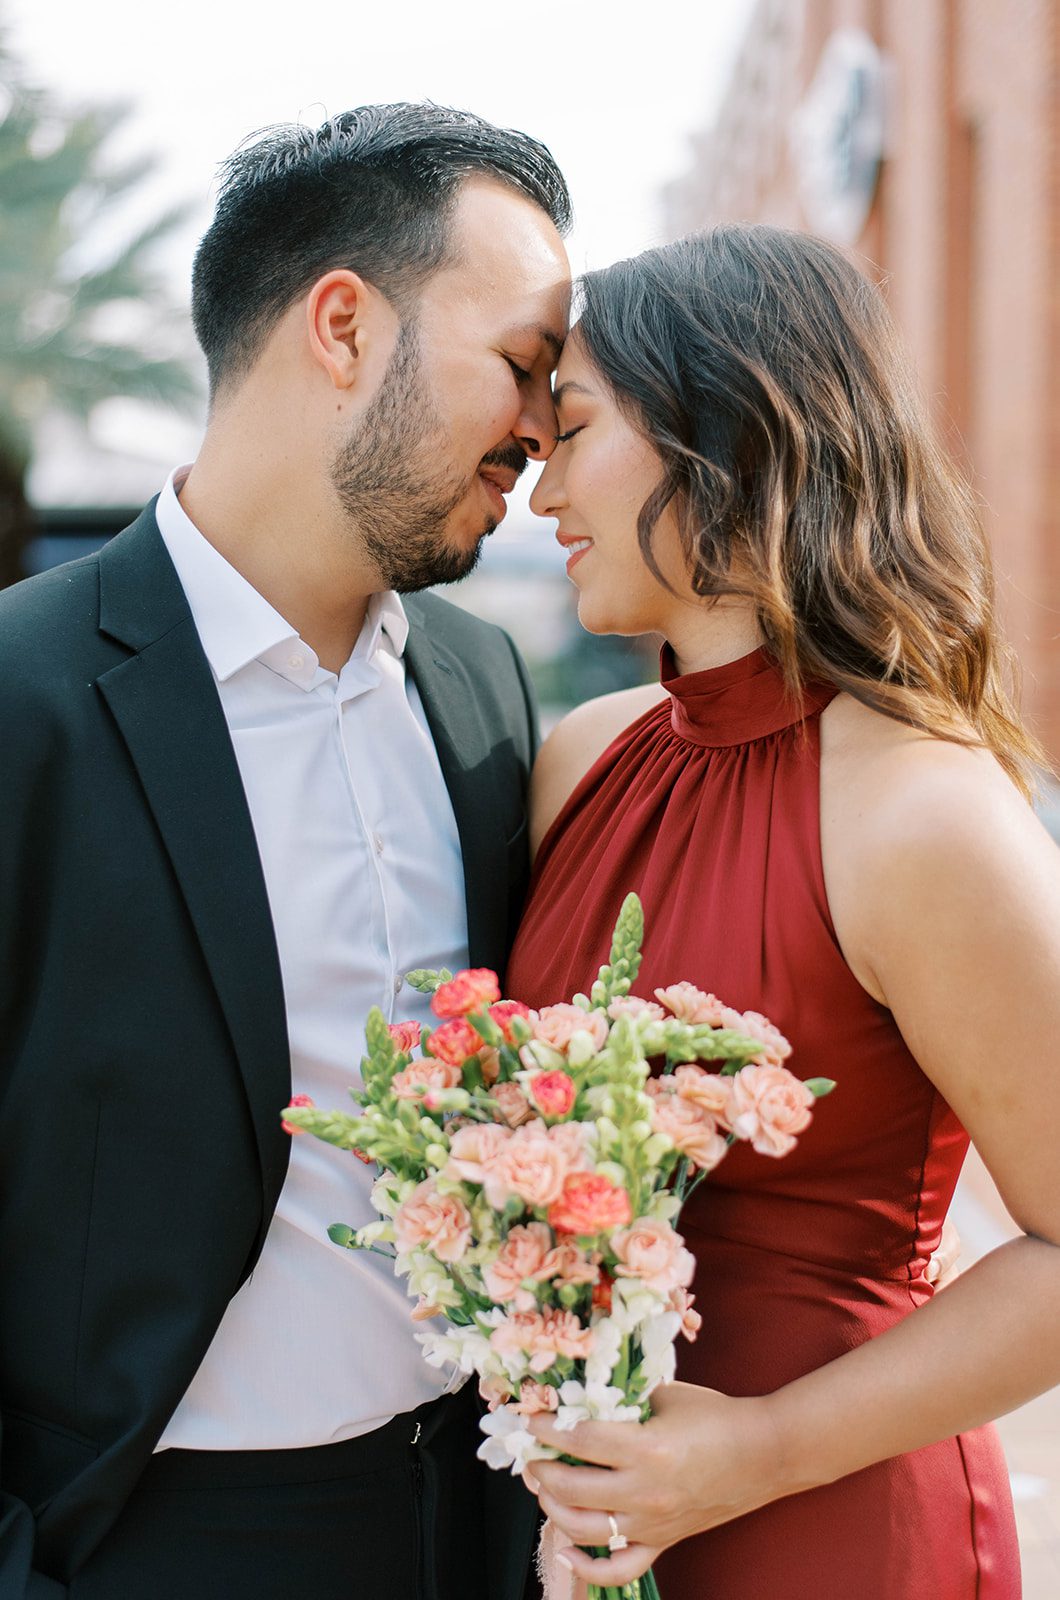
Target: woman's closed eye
x=562 y=438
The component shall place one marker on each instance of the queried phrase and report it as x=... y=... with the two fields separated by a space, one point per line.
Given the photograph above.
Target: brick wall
x=964 y=228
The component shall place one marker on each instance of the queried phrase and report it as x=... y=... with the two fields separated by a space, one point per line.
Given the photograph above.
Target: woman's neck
x=704 y=635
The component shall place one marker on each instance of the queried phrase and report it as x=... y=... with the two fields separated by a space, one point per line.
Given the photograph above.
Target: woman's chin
x=596 y=616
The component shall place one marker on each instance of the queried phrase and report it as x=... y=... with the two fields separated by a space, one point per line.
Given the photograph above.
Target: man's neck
x=282 y=540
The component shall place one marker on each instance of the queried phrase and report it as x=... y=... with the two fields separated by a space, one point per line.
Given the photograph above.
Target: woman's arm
x=946 y=895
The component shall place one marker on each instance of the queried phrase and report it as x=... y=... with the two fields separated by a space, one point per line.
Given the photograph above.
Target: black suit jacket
x=143 y=1045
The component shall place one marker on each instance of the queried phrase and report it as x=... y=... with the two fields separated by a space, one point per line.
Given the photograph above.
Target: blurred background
x=921 y=135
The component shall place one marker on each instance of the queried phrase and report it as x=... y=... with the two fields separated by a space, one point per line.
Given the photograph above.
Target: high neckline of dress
x=738 y=702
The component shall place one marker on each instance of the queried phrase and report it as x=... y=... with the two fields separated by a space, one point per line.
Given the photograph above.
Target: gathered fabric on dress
x=708 y=807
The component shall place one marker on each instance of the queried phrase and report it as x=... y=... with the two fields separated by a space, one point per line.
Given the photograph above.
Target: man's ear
x=347 y=321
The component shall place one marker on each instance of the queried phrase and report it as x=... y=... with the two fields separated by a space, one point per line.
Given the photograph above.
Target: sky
x=614 y=89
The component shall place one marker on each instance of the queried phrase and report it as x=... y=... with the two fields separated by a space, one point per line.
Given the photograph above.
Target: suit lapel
x=166 y=705
x=465 y=748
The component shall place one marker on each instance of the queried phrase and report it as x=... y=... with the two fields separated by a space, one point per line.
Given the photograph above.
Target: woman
x=823 y=807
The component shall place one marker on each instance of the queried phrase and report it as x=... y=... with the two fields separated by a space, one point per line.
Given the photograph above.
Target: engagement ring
x=617 y=1541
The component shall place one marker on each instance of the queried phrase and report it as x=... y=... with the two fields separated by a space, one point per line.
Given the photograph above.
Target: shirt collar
x=235 y=623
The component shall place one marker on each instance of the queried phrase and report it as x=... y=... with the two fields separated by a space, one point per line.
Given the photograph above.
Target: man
x=246 y=787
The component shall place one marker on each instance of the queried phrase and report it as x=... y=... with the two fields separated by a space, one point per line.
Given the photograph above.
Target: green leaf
x=819 y=1087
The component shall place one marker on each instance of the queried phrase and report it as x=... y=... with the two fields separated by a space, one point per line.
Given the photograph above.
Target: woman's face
x=595 y=483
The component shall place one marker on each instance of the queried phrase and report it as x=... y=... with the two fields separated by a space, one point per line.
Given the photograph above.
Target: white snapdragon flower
x=664 y=1205
x=607 y=1346
x=465 y=1348
x=634 y=1303
x=659 y=1359
x=431 y=1282
x=509 y=1442
x=592 y=1402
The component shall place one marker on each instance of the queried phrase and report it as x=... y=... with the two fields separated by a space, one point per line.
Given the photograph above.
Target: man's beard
x=396 y=495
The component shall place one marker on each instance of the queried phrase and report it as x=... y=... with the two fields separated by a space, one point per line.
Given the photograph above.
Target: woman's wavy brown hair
x=806 y=476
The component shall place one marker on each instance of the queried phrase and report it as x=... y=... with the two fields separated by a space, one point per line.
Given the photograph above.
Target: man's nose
x=536 y=427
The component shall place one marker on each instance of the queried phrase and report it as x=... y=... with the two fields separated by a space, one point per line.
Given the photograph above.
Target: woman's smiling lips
x=578 y=547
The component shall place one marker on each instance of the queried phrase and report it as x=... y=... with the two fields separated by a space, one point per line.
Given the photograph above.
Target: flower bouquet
x=532 y=1170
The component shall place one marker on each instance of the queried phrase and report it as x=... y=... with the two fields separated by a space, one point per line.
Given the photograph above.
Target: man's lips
x=503 y=478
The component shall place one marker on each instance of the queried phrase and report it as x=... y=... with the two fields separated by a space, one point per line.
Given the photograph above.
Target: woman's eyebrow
x=570 y=387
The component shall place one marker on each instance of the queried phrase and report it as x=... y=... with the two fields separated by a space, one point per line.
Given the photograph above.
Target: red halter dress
x=707 y=806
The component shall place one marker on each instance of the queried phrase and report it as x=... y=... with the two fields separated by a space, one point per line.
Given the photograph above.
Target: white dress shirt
x=361 y=859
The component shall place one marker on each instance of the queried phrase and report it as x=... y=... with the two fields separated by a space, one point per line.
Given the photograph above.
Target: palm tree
x=56 y=187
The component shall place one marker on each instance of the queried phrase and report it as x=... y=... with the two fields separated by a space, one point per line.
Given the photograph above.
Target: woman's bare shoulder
x=574 y=745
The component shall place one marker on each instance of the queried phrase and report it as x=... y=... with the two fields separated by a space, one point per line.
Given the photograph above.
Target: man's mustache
x=508 y=455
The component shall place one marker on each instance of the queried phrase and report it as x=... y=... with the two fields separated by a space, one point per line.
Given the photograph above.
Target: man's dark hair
x=371 y=190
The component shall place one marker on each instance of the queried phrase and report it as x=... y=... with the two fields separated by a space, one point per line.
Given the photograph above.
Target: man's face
x=466 y=397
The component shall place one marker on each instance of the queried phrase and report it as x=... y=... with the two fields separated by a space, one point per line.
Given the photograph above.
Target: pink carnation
x=629 y=1005
x=473 y=1149
x=652 y=1251
x=519 y=1258
x=590 y=1203
x=531 y=1166
x=416 y=1081
x=771 y=1108
x=297 y=1100
x=694 y=1132
x=406 y=1035
x=557 y=1025
x=454 y=1042
x=691 y=1005
x=512 y=1103
x=441 y=1222
x=553 y=1093
x=503 y=1014
x=474 y=990
x=708 y=1090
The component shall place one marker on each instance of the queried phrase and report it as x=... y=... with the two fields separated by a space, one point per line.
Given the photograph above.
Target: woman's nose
x=547 y=496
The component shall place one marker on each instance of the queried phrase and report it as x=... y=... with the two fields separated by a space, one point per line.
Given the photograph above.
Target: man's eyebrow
x=539 y=331
x=570 y=387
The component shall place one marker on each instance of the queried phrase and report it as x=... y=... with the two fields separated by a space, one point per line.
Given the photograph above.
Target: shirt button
x=398 y=983
x=378 y=843
x=296 y=661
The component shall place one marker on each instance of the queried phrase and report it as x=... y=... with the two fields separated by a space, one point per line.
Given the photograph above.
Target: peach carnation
x=473 y=1149
x=442 y=1222
x=454 y=1042
x=590 y=1203
x=416 y=1081
x=473 y=990
x=682 y=1302
x=652 y=1251
x=519 y=1258
x=542 y=1337
x=775 y=1048
x=557 y=1025
x=495 y=1391
x=695 y=1134
x=535 y=1397
x=565 y=1263
x=691 y=1005
x=512 y=1103
x=553 y=1093
x=629 y=1005
x=531 y=1166
x=489 y=1060
x=771 y=1108
x=708 y=1090
x=406 y=1035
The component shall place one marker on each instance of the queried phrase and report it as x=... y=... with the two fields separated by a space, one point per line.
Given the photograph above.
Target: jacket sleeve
x=18 y=1578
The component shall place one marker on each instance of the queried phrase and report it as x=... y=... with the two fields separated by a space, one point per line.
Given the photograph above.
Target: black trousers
x=393 y=1515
